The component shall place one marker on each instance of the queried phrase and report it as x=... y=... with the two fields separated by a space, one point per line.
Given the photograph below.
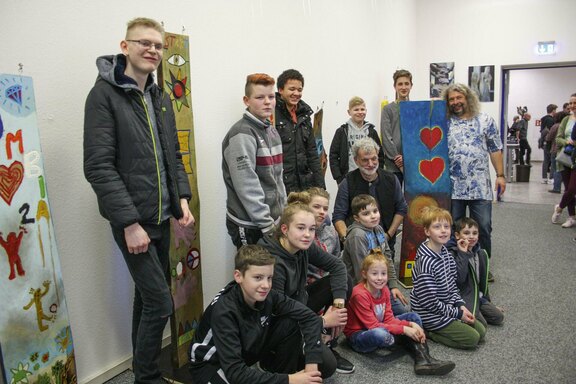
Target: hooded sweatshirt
x=291 y=269
x=359 y=242
x=471 y=274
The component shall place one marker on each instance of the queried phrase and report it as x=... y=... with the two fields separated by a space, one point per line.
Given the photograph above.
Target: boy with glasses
x=132 y=160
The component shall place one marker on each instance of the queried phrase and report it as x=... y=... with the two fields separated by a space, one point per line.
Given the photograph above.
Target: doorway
x=533 y=86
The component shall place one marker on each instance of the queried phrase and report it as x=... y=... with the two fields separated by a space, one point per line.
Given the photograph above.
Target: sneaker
x=342 y=365
x=570 y=222
x=553 y=191
x=490 y=277
x=544 y=181
x=556 y=214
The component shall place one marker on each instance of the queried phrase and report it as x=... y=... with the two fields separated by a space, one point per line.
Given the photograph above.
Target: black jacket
x=339 y=151
x=469 y=285
x=291 y=270
x=233 y=336
x=302 y=168
x=120 y=149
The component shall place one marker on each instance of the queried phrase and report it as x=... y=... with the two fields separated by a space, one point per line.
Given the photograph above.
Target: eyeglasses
x=148 y=44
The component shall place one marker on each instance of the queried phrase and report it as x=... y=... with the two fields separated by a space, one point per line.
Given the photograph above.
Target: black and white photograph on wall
x=441 y=76
x=481 y=81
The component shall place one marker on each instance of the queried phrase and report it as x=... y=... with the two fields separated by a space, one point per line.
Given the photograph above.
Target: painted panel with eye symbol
x=176 y=60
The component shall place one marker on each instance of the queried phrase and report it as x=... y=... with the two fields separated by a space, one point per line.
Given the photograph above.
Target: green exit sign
x=546 y=48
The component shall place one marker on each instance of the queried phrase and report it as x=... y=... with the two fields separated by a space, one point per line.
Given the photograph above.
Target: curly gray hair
x=366 y=144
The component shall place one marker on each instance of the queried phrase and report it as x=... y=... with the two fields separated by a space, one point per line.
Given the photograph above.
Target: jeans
x=546 y=164
x=372 y=339
x=525 y=148
x=569 y=198
x=555 y=174
x=152 y=299
x=397 y=307
x=481 y=212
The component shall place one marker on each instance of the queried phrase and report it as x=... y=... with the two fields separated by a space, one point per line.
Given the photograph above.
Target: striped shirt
x=435 y=296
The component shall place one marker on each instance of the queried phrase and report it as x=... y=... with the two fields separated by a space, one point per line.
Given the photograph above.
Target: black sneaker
x=342 y=365
x=490 y=277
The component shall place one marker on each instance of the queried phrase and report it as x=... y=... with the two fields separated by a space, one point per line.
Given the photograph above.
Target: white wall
x=343 y=48
x=535 y=89
x=499 y=32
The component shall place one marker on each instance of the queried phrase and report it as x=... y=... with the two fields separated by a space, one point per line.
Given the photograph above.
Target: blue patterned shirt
x=470 y=142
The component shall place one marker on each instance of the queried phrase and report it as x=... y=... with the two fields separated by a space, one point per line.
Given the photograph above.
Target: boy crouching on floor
x=248 y=322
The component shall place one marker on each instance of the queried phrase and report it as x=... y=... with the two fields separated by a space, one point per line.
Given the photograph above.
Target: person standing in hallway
x=302 y=168
x=252 y=166
x=473 y=140
x=390 y=125
x=133 y=162
x=566 y=136
x=356 y=128
x=522 y=136
x=551 y=138
x=546 y=122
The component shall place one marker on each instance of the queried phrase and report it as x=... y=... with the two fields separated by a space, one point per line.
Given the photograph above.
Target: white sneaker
x=544 y=181
x=556 y=214
x=570 y=222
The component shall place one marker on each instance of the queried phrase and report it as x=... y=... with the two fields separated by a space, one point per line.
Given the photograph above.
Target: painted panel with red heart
x=431 y=137
x=432 y=169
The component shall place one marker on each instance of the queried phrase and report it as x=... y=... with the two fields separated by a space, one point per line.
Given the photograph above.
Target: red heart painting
x=432 y=169
x=10 y=180
x=431 y=136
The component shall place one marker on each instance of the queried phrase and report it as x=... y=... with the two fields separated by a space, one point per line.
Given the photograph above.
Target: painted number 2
x=26 y=209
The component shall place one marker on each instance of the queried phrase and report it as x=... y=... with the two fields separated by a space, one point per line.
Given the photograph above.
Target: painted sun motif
x=415 y=207
x=178 y=90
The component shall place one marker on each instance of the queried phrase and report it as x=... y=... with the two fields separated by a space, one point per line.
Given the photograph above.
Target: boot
x=424 y=364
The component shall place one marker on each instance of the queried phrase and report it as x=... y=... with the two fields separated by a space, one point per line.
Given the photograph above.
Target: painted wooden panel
x=35 y=337
x=426 y=172
x=185 y=253
x=317 y=130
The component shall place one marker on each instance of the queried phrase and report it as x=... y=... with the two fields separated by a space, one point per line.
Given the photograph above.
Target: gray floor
x=534 y=263
x=533 y=192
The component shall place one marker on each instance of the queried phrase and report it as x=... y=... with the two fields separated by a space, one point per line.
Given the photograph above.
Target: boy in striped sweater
x=435 y=296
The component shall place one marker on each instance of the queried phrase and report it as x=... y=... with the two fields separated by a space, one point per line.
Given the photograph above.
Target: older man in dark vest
x=370 y=179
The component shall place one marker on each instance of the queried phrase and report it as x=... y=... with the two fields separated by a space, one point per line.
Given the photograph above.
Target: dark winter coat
x=339 y=151
x=301 y=163
x=121 y=151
